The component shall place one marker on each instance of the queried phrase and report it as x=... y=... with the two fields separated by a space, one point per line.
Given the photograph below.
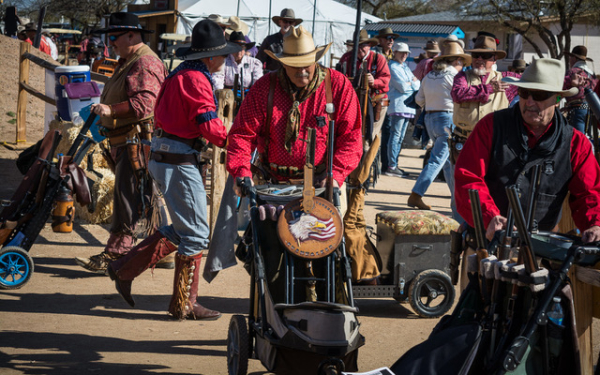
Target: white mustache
x=302 y=75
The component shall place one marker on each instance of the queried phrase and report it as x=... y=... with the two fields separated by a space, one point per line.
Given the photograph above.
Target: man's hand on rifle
x=592 y=234
x=370 y=79
x=497 y=223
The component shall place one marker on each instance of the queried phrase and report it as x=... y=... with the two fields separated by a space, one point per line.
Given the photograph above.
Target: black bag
x=410 y=101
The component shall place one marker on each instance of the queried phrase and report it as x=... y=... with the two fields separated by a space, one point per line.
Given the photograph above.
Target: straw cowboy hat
x=238 y=38
x=545 y=75
x=287 y=14
x=299 y=49
x=452 y=48
x=236 y=24
x=123 y=21
x=454 y=38
x=387 y=31
x=485 y=44
x=216 y=18
x=207 y=41
x=432 y=46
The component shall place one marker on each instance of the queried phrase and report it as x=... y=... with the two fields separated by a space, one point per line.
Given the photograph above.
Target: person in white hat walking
x=505 y=146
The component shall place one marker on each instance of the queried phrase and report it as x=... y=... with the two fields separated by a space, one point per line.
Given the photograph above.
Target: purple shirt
x=462 y=92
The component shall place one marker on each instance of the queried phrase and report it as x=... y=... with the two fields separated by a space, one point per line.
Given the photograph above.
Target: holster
x=377 y=105
x=456 y=143
x=456 y=250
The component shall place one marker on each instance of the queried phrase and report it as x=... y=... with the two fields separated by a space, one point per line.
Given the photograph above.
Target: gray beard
x=480 y=71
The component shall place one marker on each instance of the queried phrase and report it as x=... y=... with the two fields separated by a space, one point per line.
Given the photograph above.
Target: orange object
x=105 y=66
x=64 y=212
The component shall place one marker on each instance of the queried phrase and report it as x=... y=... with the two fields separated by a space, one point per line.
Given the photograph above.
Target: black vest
x=512 y=162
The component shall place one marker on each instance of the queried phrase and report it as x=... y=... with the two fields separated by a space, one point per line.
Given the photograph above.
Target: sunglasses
x=390 y=37
x=538 y=96
x=483 y=56
x=113 y=38
x=289 y=22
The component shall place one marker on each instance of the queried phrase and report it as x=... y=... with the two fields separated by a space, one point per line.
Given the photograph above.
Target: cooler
x=65 y=75
x=80 y=95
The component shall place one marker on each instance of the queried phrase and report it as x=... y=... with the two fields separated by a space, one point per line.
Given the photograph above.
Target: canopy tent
x=334 y=22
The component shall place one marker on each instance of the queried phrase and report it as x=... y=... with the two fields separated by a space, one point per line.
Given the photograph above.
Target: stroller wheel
x=16 y=267
x=431 y=293
x=237 y=346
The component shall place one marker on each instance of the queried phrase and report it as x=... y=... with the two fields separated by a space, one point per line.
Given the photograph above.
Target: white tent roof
x=334 y=22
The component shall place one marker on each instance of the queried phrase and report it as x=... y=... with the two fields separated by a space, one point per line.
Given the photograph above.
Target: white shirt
x=434 y=94
x=53 y=49
x=251 y=67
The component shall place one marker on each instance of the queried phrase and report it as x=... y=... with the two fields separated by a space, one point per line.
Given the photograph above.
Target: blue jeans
x=577 y=119
x=398 y=125
x=185 y=198
x=439 y=126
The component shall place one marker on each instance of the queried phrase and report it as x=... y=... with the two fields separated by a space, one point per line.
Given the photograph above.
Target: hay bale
x=103 y=188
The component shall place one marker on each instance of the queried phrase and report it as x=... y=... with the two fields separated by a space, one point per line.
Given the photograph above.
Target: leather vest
x=512 y=162
x=115 y=90
x=467 y=114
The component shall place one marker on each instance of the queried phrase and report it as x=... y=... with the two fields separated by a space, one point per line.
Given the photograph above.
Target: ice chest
x=80 y=95
x=65 y=75
x=410 y=242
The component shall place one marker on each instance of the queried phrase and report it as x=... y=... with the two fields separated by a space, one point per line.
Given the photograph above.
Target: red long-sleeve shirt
x=381 y=79
x=186 y=107
x=473 y=163
x=248 y=129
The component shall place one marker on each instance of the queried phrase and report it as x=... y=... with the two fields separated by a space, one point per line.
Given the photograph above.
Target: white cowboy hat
x=299 y=49
x=544 y=75
x=236 y=24
x=400 y=47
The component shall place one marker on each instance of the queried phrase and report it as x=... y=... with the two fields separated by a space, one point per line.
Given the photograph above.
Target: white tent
x=334 y=22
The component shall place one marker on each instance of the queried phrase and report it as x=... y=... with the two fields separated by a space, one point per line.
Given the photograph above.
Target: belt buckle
x=158 y=133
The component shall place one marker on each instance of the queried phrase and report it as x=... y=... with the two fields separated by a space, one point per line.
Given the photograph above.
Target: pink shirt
x=462 y=92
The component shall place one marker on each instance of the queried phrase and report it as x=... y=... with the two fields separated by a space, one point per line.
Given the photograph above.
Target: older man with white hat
x=505 y=146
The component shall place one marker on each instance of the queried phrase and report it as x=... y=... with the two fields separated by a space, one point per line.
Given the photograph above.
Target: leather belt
x=461 y=132
x=176 y=159
x=440 y=111
x=160 y=133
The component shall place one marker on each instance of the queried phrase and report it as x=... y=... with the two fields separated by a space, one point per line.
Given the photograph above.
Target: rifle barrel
x=477 y=218
x=526 y=249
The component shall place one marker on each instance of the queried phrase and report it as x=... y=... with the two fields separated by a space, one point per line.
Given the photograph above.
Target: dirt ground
x=69 y=321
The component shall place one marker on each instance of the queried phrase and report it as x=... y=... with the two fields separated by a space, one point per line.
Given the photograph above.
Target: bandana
x=298 y=95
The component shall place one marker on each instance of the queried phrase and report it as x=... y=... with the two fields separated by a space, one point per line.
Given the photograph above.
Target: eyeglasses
x=482 y=55
x=113 y=38
x=390 y=37
x=538 y=96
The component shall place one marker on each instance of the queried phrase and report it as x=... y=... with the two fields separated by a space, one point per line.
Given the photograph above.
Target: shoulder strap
x=267 y=125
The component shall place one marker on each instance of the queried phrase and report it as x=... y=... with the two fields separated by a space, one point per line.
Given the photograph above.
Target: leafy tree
x=389 y=9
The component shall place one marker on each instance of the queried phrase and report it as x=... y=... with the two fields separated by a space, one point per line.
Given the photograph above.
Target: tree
x=389 y=9
x=534 y=17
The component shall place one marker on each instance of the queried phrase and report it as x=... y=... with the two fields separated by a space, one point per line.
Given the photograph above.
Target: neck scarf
x=298 y=95
x=547 y=144
x=198 y=66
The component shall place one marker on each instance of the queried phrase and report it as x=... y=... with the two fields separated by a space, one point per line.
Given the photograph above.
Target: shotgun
x=482 y=252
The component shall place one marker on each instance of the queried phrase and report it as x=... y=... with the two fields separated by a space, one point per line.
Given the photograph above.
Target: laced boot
x=184 y=302
x=139 y=259
x=415 y=200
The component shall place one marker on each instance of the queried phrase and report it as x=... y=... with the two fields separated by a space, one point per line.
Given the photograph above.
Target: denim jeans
x=439 y=126
x=185 y=198
x=577 y=119
x=398 y=125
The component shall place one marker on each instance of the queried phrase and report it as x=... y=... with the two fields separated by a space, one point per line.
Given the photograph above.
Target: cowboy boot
x=415 y=200
x=184 y=302
x=139 y=259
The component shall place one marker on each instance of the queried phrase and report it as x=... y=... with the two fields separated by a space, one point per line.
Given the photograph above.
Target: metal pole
x=356 y=35
x=269 y=20
x=314 y=15
x=238 y=9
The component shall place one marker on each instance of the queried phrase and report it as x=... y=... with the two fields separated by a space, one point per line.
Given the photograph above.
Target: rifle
x=482 y=252
x=329 y=194
x=237 y=100
x=308 y=203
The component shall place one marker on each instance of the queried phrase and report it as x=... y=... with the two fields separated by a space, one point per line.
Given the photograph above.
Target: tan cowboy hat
x=363 y=37
x=484 y=44
x=287 y=14
x=299 y=49
x=452 y=48
x=216 y=18
x=432 y=46
x=236 y=24
x=387 y=31
x=544 y=75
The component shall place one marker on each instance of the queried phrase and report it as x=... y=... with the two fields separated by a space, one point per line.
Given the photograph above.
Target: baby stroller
x=302 y=318
x=25 y=215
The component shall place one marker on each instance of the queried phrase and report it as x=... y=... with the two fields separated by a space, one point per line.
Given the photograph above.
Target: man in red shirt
x=505 y=146
x=31 y=31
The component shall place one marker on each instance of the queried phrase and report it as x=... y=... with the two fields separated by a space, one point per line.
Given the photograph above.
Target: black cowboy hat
x=237 y=37
x=207 y=41
x=123 y=21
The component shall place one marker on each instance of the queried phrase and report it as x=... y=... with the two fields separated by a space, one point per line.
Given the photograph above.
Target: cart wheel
x=16 y=267
x=237 y=346
x=431 y=293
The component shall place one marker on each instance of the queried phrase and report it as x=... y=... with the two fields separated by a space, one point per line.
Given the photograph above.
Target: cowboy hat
x=123 y=21
x=451 y=48
x=363 y=37
x=31 y=26
x=299 y=49
x=580 y=52
x=207 y=41
x=485 y=44
x=238 y=38
x=544 y=75
x=216 y=18
x=432 y=46
x=518 y=65
x=385 y=32
x=454 y=38
x=236 y=24
x=287 y=14
x=349 y=42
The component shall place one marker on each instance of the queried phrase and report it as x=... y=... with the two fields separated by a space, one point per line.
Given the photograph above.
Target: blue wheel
x=16 y=267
